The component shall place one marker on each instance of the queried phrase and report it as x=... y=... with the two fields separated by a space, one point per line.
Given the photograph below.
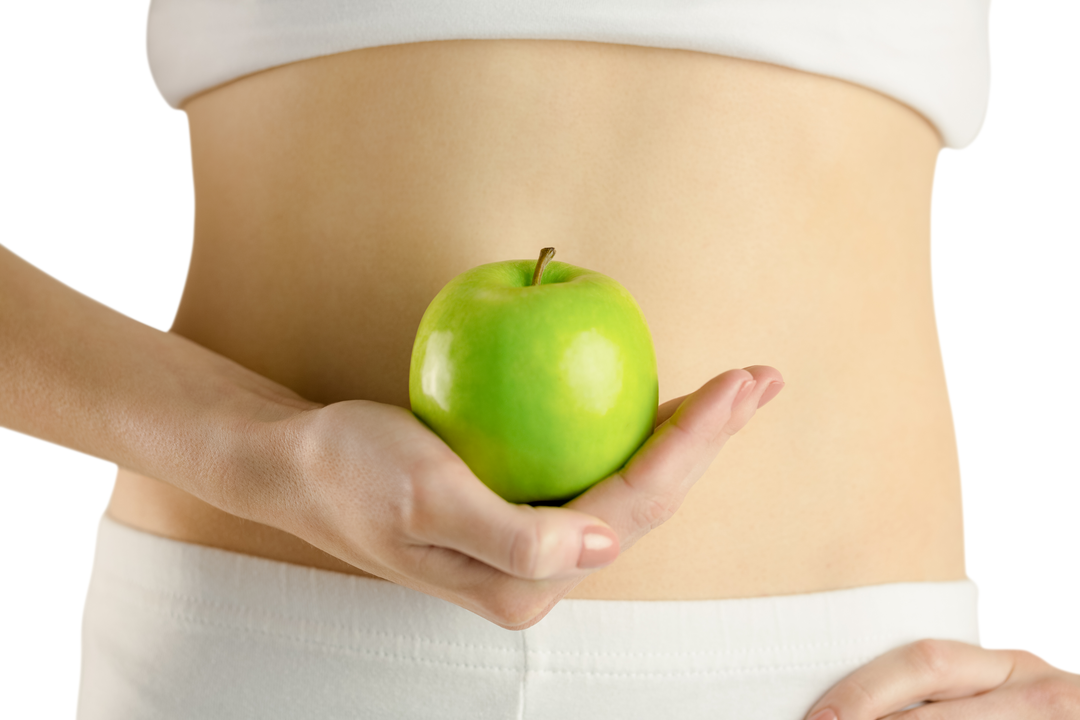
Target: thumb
x=460 y=513
x=570 y=542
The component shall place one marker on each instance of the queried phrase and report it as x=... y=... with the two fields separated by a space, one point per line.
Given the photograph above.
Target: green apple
x=540 y=375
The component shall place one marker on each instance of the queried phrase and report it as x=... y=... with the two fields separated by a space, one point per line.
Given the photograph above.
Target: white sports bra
x=932 y=55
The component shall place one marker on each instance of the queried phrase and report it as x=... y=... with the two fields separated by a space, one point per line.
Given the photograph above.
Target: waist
x=757 y=214
x=754 y=211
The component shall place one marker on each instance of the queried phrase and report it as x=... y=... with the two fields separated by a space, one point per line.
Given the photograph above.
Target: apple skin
x=542 y=390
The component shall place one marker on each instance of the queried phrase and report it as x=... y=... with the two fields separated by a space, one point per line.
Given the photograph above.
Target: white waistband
x=208 y=605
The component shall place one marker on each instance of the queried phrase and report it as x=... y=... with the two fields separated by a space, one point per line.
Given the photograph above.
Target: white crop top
x=932 y=55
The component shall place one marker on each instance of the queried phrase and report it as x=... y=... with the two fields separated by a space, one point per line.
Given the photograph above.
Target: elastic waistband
x=202 y=586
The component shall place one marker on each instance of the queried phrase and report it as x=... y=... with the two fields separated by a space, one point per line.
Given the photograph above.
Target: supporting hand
x=370 y=484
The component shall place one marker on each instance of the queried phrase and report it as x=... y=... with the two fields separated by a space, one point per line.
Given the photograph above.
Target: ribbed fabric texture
x=179 y=631
x=929 y=54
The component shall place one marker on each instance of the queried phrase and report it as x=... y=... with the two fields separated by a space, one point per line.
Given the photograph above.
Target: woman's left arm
x=959 y=681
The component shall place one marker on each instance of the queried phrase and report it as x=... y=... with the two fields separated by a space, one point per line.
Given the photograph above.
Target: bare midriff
x=758 y=214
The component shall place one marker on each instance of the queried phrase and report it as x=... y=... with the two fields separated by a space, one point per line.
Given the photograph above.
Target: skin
x=756 y=213
x=958 y=681
x=325 y=224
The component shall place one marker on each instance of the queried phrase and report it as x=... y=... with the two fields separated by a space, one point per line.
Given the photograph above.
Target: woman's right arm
x=76 y=373
x=364 y=481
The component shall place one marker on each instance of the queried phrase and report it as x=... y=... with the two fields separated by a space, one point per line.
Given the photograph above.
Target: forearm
x=76 y=373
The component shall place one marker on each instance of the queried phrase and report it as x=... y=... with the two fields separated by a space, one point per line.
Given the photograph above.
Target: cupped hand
x=959 y=681
x=378 y=489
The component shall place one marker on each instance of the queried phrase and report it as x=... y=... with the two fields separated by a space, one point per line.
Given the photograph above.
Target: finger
x=769 y=382
x=969 y=708
x=653 y=483
x=453 y=509
x=666 y=410
x=771 y=390
x=1055 y=694
x=923 y=670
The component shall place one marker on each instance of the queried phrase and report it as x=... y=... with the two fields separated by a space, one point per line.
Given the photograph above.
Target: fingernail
x=771 y=391
x=826 y=714
x=744 y=391
x=599 y=547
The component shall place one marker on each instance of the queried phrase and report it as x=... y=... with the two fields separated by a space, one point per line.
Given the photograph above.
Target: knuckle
x=735 y=423
x=419 y=512
x=651 y=512
x=710 y=437
x=933 y=658
x=1055 y=697
x=525 y=551
x=514 y=610
x=856 y=696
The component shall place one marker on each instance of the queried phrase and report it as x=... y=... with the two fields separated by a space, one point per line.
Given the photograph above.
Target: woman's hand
x=375 y=487
x=960 y=681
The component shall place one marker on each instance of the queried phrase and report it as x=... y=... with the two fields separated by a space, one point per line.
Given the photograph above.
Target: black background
x=96 y=190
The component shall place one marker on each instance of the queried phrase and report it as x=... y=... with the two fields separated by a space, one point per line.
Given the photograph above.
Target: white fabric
x=930 y=54
x=174 y=630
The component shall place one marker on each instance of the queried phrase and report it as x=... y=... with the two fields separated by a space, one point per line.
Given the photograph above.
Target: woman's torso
x=758 y=214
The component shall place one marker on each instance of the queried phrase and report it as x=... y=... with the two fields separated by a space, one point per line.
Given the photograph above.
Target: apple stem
x=545 y=257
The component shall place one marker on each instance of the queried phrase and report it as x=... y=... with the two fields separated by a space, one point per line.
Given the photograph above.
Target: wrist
x=261 y=470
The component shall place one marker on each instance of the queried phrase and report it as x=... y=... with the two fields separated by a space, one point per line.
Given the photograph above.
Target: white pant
x=174 y=630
